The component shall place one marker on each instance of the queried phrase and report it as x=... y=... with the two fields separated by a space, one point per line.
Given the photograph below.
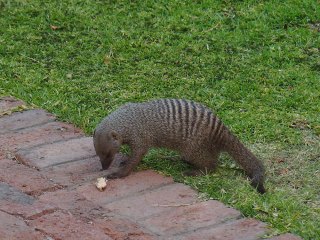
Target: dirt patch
x=295 y=169
x=315 y=26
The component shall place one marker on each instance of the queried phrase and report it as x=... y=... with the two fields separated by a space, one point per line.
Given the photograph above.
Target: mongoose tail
x=244 y=157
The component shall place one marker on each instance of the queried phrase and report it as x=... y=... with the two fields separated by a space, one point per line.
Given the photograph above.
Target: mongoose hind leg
x=205 y=162
x=194 y=172
x=137 y=153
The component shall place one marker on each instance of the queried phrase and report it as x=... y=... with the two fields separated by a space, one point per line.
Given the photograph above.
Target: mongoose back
x=185 y=126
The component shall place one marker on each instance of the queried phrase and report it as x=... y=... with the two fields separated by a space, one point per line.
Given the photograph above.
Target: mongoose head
x=106 y=144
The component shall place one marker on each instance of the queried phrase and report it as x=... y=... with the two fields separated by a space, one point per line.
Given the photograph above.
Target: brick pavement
x=48 y=170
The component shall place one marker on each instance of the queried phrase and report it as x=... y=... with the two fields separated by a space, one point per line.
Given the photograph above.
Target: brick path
x=48 y=170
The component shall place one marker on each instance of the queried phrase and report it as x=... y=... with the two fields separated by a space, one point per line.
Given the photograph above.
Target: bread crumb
x=101 y=183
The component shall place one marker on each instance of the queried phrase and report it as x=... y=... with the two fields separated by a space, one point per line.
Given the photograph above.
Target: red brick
x=243 y=229
x=11 y=194
x=20 y=120
x=12 y=227
x=86 y=199
x=135 y=183
x=57 y=153
x=73 y=202
x=147 y=203
x=113 y=226
x=27 y=211
x=71 y=173
x=119 y=229
x=9 y=103
x=28 y=180
x=61 y=225
x=287 y=236
x=74 y=172
x=18 y=203
x=33 y=136
x=187 y=218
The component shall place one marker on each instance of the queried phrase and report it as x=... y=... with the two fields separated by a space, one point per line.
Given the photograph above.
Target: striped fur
x=187 y=118
x=186 y=126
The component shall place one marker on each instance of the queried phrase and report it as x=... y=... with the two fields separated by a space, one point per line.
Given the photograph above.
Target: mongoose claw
x=116 y=173
x=110 y=176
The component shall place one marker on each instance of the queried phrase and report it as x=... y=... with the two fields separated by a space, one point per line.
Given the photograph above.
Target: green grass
x=256 y=63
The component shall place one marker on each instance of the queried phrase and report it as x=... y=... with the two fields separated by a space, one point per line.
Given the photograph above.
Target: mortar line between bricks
x=155 y=214
x=127 y=218
x=139 y=221
x=130 y=195
x=43 y=213
x=32 y=217
x=25 y=128
x=74 y=160
x=12 y=214
x=37 y=193
x=43 y=232
x=135 y=194
x=32 y=126
x=44 y=144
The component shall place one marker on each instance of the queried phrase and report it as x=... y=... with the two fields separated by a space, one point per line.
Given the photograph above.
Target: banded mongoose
x=182 y=125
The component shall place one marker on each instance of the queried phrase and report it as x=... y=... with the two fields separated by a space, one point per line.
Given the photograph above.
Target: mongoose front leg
x=124 y=169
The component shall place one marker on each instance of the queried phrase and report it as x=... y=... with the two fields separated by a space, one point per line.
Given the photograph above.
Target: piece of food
x=101 y=183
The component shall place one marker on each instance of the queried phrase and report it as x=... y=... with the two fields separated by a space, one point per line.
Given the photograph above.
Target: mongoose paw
x=113 y=175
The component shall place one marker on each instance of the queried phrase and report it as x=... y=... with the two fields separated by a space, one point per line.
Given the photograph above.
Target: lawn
x=255 y=63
